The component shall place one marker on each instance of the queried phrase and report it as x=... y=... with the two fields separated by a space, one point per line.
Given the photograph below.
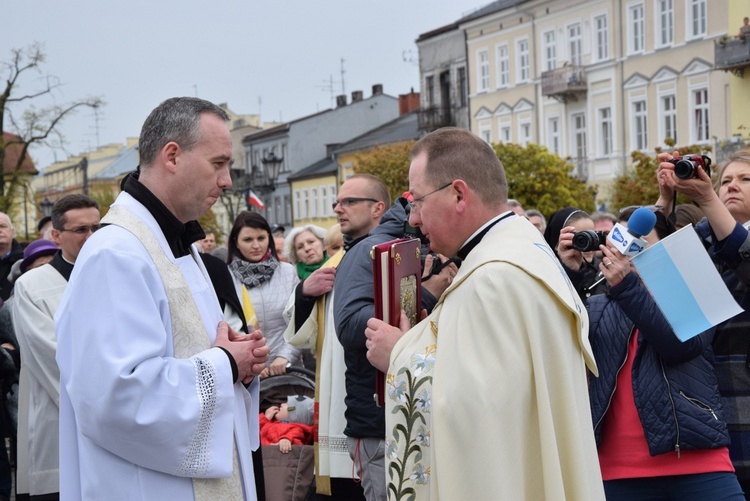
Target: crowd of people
x=132 y=346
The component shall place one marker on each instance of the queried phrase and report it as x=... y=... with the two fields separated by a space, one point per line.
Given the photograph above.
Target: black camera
x=687 y=166
x=589 y=240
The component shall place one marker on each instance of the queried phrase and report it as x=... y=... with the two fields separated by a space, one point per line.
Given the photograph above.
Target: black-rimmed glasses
x=82 y=230
x=413 y=204
x=346 y=202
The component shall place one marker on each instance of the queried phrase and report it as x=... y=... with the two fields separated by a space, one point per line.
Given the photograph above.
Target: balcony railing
x=732 y=55
x=435 y=117
x=564 y=84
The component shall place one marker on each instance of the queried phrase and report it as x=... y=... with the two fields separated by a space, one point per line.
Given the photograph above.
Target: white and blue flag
x=685 y=284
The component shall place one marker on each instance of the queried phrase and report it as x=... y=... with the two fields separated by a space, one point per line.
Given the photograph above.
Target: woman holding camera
x=585 y=276
x=725 y=235
x=655 y=405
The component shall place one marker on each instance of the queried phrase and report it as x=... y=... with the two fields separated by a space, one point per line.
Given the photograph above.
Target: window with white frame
x=696 y=18
x=605 y=131
x=483 y=70
x=305 y=203
x=664 y=22
x=429 y=90
x=505 y=135
x=503 y=126
x=700 y=115
x=574 y=44
x=602 y=37
x=315 y=202
x=287 y=208
x=461 y=87
x=485 y=132
x=298 y=204
x=578 y=121
x=640 y=127
x=503 y=66
x=524 y=132
x=324 y=201
x=637 y=27
x=553 y=134
x=668 y=113
x=522 y=48
x=550 y=50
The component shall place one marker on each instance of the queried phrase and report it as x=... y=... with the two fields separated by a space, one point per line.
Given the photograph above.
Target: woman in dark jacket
x=657 y=416
x=724 y=231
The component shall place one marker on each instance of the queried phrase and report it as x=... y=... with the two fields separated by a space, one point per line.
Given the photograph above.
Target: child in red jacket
x=288 y=424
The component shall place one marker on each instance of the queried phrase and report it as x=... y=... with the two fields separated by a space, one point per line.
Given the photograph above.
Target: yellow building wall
x=312 y=199
x=739 y=87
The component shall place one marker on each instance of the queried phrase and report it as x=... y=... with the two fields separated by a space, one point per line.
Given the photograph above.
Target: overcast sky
x=134 y=54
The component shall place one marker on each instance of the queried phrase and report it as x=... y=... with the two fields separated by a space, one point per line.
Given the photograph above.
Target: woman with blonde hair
x=724 y=232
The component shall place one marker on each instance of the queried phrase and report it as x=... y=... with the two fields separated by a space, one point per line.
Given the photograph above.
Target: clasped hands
x=249 y=351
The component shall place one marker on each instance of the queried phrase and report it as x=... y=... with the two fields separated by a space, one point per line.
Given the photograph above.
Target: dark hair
x=687 y=214
x=175 y=120
x=454 y=153
x=42 y=222
x=250 y=220
x=70 y=202
x=663 y=227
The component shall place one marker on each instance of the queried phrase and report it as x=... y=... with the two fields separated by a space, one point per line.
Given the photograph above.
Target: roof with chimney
x=13 y=148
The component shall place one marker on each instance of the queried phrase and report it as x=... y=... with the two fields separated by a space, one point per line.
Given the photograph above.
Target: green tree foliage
x=104 y=196
x=542 y=180
x=390 y=163
x=536 y=178
x=208 y=223
x=638 y=186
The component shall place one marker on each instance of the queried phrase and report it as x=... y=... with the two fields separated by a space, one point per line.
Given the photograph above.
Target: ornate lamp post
x=272 y=167
x=46 y=206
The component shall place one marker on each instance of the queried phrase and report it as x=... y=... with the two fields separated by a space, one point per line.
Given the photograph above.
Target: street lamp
x=272 y=166
x=46 y=206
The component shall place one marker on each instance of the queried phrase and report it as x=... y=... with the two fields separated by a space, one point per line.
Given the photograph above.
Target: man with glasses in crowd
x=36 y=298
x=353 y=307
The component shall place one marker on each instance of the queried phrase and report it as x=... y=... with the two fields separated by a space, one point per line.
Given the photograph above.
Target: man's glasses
x=82 y=230
x=419 y=199
x=346 y=202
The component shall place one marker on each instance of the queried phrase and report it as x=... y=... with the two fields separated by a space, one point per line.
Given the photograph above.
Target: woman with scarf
x=305 y=249
x=263 y=285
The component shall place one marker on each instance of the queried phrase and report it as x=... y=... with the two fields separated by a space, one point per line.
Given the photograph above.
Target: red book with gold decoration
x=397 y=272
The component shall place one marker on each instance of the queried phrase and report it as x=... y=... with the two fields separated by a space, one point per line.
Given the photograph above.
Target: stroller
x=288 y=477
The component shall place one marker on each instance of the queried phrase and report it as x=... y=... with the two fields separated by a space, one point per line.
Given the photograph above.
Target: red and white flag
x=253 y=199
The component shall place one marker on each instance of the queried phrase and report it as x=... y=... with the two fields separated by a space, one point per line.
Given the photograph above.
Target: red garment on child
x=271 y=432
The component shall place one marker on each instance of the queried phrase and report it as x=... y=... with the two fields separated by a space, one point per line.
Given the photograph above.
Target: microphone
x=629 y=240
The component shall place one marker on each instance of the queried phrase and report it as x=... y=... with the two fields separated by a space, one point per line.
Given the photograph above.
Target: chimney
x=408 y=102
x=340 y=100
x=377 y=89
x=357 y=95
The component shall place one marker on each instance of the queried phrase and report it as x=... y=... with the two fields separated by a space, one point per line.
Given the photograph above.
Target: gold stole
x=189 y=337
x=322 y=483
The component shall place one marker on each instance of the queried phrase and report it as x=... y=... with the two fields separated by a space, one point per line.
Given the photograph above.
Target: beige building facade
x=599 y=79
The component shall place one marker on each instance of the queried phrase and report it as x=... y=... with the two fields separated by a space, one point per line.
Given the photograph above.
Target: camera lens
x=588 y=240
x=685 y=169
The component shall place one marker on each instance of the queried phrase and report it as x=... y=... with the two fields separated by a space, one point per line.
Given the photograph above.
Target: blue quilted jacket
x=674 y=383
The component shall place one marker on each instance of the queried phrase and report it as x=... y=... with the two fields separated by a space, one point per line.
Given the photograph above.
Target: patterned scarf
x=254 y=274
